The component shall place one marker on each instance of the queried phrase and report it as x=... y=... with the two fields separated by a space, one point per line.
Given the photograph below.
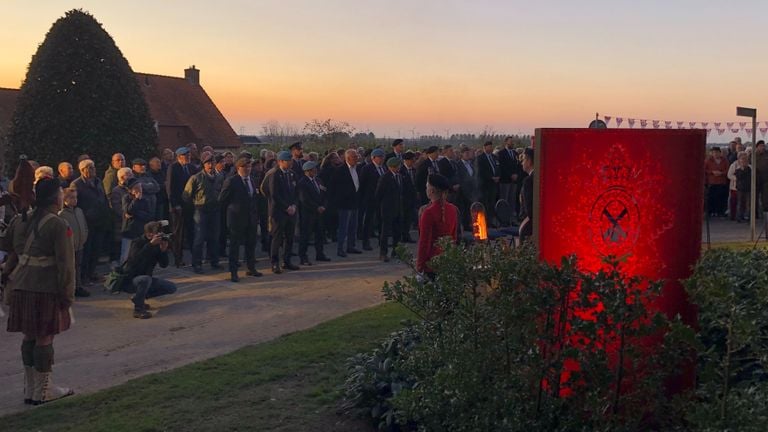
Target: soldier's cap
x=397 y=142
x=409 y=155
x=308 y=165
x=378 y=153
x=393 y=162
x=439 y=182
x=46 y=191
x=208 y=158
x=245 y=154
x=131 y=182
x=284 y=156
x=138 y=161
x=242 y=161
x=432 y=149
x=218 y=158
x=182 y=151
x=296 y=145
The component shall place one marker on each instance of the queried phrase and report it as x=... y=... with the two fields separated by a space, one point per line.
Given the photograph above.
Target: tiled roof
x=179 y=102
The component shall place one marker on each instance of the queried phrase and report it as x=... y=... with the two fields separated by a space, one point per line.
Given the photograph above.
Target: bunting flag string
x=729 y=124
x=667 y=124
x=735 y=127
x=655 y=124
x=679 y=125
x=742 y=124
x=693 y=125
x=717 y=125
x=643 y=123
x=631 y=123
x=720 y=131
x=763 y=131
x=704 y=124
x=619 y=121
x=748 y=131
x=735 y=130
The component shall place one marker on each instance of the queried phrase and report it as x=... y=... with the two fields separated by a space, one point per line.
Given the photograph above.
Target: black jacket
x=142 y=259
x=280 y=190
x=509 y=165
x=369 y=179
x=140 y=214
x=342 y=187
x=176 y=181
x=389 y=195
x=484 y=170
x=241 y=209
x=93 y=202
x=310 y=198
x=448 y=169
x=467 y=181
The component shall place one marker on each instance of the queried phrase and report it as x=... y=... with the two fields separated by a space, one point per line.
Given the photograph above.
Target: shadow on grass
x=292 y=383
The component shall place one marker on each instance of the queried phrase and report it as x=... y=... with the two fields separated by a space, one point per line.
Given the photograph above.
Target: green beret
x=393 y=162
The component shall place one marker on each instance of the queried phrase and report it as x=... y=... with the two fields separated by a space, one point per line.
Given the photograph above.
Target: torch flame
x=479 y=227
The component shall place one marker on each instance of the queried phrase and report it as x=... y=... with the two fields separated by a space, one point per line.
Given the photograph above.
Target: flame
x=479 y=227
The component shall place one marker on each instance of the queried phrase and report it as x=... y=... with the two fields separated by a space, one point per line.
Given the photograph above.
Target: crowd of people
x=729 y=181
x=59 y=225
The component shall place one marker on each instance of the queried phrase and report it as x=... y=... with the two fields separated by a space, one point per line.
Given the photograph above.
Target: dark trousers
x=489 y=194
x=311 y=226
x=464 y=212
x=717 y=199
x=282 y=238
x=742 y=205
x=178 y=230
x=733 y=200
x=206 y=233
x=148 y=287
x=242 y=236
x=347 y=231
x=370 y=222
x=78 y=269
x=266 y=238
x=409 y=217
x=390 y=227
x=91 y=251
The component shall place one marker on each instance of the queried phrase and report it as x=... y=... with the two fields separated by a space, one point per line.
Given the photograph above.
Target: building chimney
x=192 y=75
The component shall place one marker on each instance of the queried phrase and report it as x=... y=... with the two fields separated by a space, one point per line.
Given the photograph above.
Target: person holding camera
x=147 y=251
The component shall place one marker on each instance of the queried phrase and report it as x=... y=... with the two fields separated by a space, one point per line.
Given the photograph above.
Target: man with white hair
x=345 y=183
x=110 y=175
x=93 y=202
x=118 y=214
x=66 y=174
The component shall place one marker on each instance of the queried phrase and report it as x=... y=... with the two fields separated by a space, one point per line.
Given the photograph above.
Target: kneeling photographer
x=146 y=252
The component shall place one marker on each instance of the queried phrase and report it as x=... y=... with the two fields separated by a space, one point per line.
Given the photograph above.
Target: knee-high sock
x=28 y=352
x=43 y=358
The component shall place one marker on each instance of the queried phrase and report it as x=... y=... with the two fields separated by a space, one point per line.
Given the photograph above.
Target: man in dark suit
x=488 y=175
x=467 y=180
x=369 y=178
x=526 y=197
x=297 y=159
x=182 y=223
x=346 y=186
x=238 y=198
x=312 y=205
x=410 y=196
x=510 y=172
x=279 y=186
x=447 y=165
x=397 y=150
x=389 y=196
x=423 y=170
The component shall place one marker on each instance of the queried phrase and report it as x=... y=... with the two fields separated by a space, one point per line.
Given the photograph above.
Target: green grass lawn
x=290 y=384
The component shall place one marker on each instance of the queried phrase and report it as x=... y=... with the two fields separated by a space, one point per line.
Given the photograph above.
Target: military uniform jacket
x=390 y=194
x=311 y=197
x=280 y=189
x=241 y=207
x=48 y=266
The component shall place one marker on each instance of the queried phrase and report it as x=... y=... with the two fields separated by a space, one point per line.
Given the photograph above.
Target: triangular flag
x=717 y=125
x=668 y=124
x=735 y=130
x=631 y=123
x=742 y=124
x=748 y=131
x=679 y=124
x=704 y=124
x=691 y=124
x=607 y=119
x=709 y=131
x=655 y=124
x=729 y=124
x=643 y=123
x=619 y=121
x=763 y=131
x=720 y=131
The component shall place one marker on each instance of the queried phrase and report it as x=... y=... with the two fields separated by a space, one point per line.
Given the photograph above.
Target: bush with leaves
x=510 y=343
x=730 y=288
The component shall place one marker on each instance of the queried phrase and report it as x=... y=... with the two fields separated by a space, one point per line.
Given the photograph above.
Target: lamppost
x=752 y=112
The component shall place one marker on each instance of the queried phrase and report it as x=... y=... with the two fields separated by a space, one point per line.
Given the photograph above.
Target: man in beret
x=279 y=187
x=182 y=224
x=369 y=208
x=389 y=196
x=312 y=205
x=202 y=192
x=397 y=150
x=297 y=159
x=149 y=186
x=239 y=198
x=427 y=167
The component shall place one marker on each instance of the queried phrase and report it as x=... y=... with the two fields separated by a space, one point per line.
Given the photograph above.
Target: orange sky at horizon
x=433 y=66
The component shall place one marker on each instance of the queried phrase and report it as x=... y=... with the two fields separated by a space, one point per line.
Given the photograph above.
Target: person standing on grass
x=438 y=219
x=41 y=288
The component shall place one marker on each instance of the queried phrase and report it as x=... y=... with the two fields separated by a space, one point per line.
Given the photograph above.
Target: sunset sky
x=432 y=66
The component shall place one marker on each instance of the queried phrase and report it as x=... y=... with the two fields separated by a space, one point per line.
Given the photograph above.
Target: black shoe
x=253 y=272
x=322 y=258
x=354 y=251
x=367 y=247
x=141 y=314
x=198 y=269
x=305 y=261
x=82 y=292
x=384 y=258
x=341 y=254
x=276 y=269
x=290 y=266
x=216 y=266
x=234 y=277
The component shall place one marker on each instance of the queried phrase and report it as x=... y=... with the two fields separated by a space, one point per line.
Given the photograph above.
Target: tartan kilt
x=37 y=314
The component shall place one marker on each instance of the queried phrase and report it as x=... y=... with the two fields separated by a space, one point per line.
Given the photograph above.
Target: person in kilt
x=40 y=287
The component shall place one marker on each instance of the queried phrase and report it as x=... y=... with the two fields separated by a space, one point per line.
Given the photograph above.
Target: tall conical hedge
x=80 y=96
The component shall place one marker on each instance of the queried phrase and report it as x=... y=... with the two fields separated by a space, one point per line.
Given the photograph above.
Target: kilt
x=37 y=314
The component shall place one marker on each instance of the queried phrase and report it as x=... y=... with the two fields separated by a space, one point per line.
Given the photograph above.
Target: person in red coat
x=438 y=219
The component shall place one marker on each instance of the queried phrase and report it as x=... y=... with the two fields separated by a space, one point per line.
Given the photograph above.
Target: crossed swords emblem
x=615 y=233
